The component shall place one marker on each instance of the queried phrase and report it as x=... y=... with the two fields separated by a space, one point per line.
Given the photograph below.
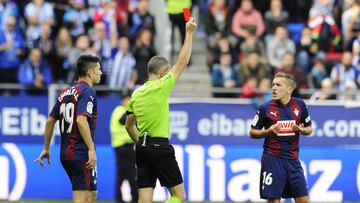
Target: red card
x=187 y=14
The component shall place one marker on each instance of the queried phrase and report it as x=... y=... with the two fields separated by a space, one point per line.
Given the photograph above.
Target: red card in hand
x=187 y=14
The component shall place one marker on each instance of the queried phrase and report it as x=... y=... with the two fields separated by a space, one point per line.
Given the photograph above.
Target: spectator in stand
x=350 y=92
x=8 y=8
x=344 y=71
x=218 y=23
x=224 y=75
x=122 y=10
x=278 y=46
x=76 y=18
x=12 y=48
x=253 y=66
x=46 y=44
x=140 y=19
x=306 y=48
x=251 y=44
x=318 y=73
x=143 y=52
x=325 y=92
x=103 y=44
x=275 y=17
x=248 y=90
x=38 y=12
x=288 y=66
x=247 y=16
x=63 y=45
x=122 y=74
x=175 y=10
x=82 y=46
x=223 y=46
x=35 y=73
x=323 y=26
x=264 y=93
x=350 y=21
x=356 y=51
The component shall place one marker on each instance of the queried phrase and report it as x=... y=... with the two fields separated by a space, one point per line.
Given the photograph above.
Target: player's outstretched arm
x=131 y=128
x=85 y=133
x=49 y=128
x=185 y=53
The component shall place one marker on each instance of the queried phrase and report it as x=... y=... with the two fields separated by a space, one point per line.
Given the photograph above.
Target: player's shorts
x=157 y=160
x=80 y=177
x=281 y=178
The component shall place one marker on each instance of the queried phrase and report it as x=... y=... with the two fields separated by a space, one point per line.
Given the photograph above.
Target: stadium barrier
x=218 y=159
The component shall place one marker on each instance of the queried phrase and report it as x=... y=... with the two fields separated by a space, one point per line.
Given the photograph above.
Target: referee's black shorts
x=156 y=160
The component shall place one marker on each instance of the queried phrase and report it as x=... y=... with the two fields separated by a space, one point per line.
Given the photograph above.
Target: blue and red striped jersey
x=78 y=99
x=286 y=143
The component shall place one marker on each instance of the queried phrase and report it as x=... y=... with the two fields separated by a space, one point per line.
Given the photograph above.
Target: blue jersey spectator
x=35 y=72
x=12 y=46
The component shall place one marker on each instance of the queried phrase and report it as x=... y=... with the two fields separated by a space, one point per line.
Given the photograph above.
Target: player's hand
x=298 y=128
x=191 y=25
x=91 y=163
x=274 y=129
x=43 y=154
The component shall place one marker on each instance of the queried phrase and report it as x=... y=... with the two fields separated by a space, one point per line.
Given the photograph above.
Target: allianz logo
x=21 y=121
x=217 y=124
x=12 y=154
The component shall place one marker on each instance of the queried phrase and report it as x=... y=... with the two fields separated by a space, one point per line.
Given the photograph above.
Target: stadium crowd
x=248 y=41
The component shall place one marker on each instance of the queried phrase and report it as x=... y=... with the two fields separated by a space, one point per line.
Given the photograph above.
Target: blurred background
x=238 y=47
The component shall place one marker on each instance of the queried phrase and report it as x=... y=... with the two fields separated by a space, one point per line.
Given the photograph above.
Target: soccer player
x=281 y=121
x=76 y=109
x=149 y=108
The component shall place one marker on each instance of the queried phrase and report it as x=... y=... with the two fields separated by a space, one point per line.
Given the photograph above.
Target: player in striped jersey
x=76 y=110
x=281 y=121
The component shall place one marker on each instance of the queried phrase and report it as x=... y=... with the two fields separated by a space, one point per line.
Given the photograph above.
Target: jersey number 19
x=67 y=110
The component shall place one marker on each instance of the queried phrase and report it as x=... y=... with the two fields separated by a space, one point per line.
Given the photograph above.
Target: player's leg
x=273 y=200
x=80 y=196
x=146 y=195
x=178 y=191
x=304 y=199
x=92 y=196
x=146 y=180
x=272 y=178
x=83 y=180
x=298 y=182
x=168 y=170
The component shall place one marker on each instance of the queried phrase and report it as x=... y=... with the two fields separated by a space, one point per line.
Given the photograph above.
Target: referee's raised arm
x=185 y=53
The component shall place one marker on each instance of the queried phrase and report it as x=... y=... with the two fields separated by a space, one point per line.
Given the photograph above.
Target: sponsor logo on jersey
x=286 y=128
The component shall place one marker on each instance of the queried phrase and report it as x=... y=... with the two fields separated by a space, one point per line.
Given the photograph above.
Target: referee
x=149 y=109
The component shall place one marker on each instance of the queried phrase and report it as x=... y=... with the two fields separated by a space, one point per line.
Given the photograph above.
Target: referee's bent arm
x=131 y=128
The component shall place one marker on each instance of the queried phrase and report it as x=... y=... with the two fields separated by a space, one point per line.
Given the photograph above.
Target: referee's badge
x=89 y=107
x=296 y=111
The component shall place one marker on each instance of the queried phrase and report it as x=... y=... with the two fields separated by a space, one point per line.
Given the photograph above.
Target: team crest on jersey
x=296 y=112
x=286 y=128
x=89 y=107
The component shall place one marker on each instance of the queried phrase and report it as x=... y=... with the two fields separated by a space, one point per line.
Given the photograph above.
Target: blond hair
x=289 y=78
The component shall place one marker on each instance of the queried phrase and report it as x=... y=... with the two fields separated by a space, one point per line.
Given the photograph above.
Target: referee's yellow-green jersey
x=119 y=135
x=150 y=105
x=176 y=6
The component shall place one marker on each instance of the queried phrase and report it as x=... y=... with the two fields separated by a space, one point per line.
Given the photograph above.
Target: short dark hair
x=288 y=77
x=85 y=62
x=156 y=63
